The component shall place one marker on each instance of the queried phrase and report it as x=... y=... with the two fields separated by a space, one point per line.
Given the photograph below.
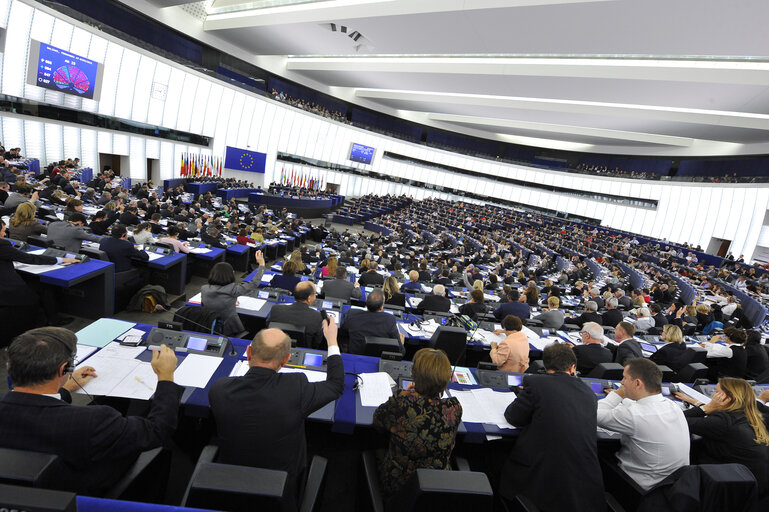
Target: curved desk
x=227 y=194
x=307 y=207
x=201 y=188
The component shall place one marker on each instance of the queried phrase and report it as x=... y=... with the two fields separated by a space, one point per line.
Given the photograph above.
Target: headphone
x=70 y=368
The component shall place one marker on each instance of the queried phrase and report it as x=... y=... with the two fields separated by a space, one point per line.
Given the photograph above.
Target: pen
x=296 y=366
x=141 y=381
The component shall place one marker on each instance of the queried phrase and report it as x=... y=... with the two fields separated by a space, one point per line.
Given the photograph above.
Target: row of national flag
x=194 y=165
x=293 y=178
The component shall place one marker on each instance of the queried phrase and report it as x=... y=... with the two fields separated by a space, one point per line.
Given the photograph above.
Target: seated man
x=412 y=285
x=120 y=251
x=96 y=443
x=436 y=301
x=69 y=234
x=371 y=276
x=340 y=287
x=301 y=314
x=260 y=416
x=555 y=460
x=613 y=316
x=210 y=237
x=655 y=437
x=592 y=352
x=590 y=315
x=373 y=322
x=511 y=306
x=628 y=347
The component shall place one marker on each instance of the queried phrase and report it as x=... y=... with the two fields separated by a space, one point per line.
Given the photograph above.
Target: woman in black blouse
x=392 y=294
x=422 y=425
x=672 y=353
x=732 y=428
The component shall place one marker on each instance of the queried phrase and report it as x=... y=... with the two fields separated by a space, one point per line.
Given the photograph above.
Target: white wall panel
x=173 y=98
x=187 y=106
x=54 y=147
x=71 y=141
x=34 y=141
x=137 y=159
x=129 y=70
x=109 y=83
x=16 y=49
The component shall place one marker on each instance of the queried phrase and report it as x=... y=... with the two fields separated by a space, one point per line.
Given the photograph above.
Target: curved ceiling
x=683 y=78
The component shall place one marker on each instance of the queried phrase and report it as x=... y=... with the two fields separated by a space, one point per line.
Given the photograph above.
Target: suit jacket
x=302 y=315
x=557 y=417
x=628 y=349
x=260 y=417
x=611 y=318
x=370 y=277
x=69 y=236
x=129 y=219
x=341 y=289
x=671 y=355
x=625 y=302
x=519 y=309
x=95 y=443
x=591 y=355
x=434 y=303
x=398 y=299
x=223 y=299
x=552 y=319
x=122 y=253
x=585 y=317
x=359 y=324
x=213 y=242
x=13 y=290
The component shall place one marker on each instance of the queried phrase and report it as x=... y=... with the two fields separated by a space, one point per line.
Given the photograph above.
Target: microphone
x=160 y=308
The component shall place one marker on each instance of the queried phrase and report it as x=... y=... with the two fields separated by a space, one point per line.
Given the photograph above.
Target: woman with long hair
x=391 y=289
x=23 y=222
x=329 y=270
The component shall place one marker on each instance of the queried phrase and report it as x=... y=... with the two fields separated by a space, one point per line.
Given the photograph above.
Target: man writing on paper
x=95 y=443
x=556 y=413
x=260 y=416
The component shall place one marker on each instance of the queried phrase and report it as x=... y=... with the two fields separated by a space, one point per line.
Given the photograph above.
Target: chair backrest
x=608 y=371
x=452 y=340
x=96 y=254
x=236 y=488
x=295 y=332
x=439 y=490
x=196 y=318
x=376 y=345
x=692 y=372
x=14 y=497
x=39 y=240
x=28 y=469
x=668 y=375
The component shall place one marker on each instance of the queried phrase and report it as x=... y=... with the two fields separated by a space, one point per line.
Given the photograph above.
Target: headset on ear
x=70 y=368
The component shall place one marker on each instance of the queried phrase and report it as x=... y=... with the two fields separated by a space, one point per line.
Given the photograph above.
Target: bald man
x=302 y=315
x=260 y=416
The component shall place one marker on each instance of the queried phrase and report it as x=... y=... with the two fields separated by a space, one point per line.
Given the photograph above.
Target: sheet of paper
x=472 y=410
x=529 y=333
x=199 y=250
x=110 y=372
x=250 y=303
x=131 y=332
x=37 y=252
x=140 y=383
x=414 y=301
x=154 y=256
x=495 y=403
x=83 y=351
x=119 y=351
x=312 y=375
x=102 y=331
x=486 y=337
x=35 y=269
x=374 y=389
x=196 y=299
x=196 y=370
x=240 y=369
x=267 y=278
x=541 y=343
x=688 y=391
x=464 y=376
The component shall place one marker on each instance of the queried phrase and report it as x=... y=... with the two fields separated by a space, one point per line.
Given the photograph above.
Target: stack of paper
x=154 y=256
x=102 y=331
x=529 y=333
x=484 y=405
x=250 y=303
x=541 y=343
x=199 y=250
x=375 y=388
x=196 y=370
x=486 y=337
x=266 y=278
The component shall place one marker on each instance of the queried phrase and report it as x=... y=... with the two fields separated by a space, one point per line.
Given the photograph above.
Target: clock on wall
x=159 y=91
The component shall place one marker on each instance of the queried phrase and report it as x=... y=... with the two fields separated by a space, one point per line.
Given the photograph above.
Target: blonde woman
x=672 y=354
x=23 y=222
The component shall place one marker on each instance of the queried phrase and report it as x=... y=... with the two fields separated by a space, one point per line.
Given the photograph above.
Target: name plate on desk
x=192 y=343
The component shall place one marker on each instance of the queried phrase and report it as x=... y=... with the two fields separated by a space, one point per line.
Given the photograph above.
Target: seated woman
x=672 y=353
x=329 y=270
x=296 y=259
x=221 y=293
x=422 y=426
x=244 y=237
x=143 y=234
x=730 y=360
x=288 y=279
x=757 y=358
x=392 y=294
x=531 y=296
x=553 y=317
x=475 y=306
x=512 y=353
x=23 y=222
x=732 y=428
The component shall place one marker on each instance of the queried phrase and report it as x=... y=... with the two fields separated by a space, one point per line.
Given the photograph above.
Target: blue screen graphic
x=60 y=70
x=361 y=154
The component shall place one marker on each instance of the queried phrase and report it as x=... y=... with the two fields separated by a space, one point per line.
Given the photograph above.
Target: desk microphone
x=160 y=308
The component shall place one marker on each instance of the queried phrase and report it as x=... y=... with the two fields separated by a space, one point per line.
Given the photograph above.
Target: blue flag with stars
x=238 y=159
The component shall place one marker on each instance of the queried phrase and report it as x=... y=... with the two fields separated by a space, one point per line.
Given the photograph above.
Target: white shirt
x=655 y=436
x=644 y=323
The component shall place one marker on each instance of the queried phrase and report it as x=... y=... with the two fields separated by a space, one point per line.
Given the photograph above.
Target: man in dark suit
x=624 y=301
x=555 y=459
x=301 y=314
x=371 y=276
x=372 y=322
x=210 y=237
x=96 y=444
x=268 y=408
x=340 y=287
x=129 y=217
x=436 y=301
x=120 y=251
x=660 y=320
x=592 y=352
x=590 y=315
x=613 y=316
x=628 y=348
x=512 y=307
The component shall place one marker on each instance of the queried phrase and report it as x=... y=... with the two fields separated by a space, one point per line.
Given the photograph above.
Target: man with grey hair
x=590 y=315
x=592 y=352
x=613 y=316
x=436 y=301
x=595 y=296
x=373 y=322
x=260 y=416
x=644 y=322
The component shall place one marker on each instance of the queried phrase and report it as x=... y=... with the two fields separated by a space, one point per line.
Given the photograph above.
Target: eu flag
x=238 y=159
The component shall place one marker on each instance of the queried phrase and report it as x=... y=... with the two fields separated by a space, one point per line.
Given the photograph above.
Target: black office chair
x=29 y=469
x=608 y=371
x=94 y=254
x=429 y=490
x=452 y=340
x=692 y=372
x=242 y=488
x=14 y=497
x=39 y=241
x=668 y=374
x=536 y=366
x=295 y=332
x=376 y=345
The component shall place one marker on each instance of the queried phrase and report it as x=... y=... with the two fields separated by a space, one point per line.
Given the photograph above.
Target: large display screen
x=63 y=71
x=361 y=154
